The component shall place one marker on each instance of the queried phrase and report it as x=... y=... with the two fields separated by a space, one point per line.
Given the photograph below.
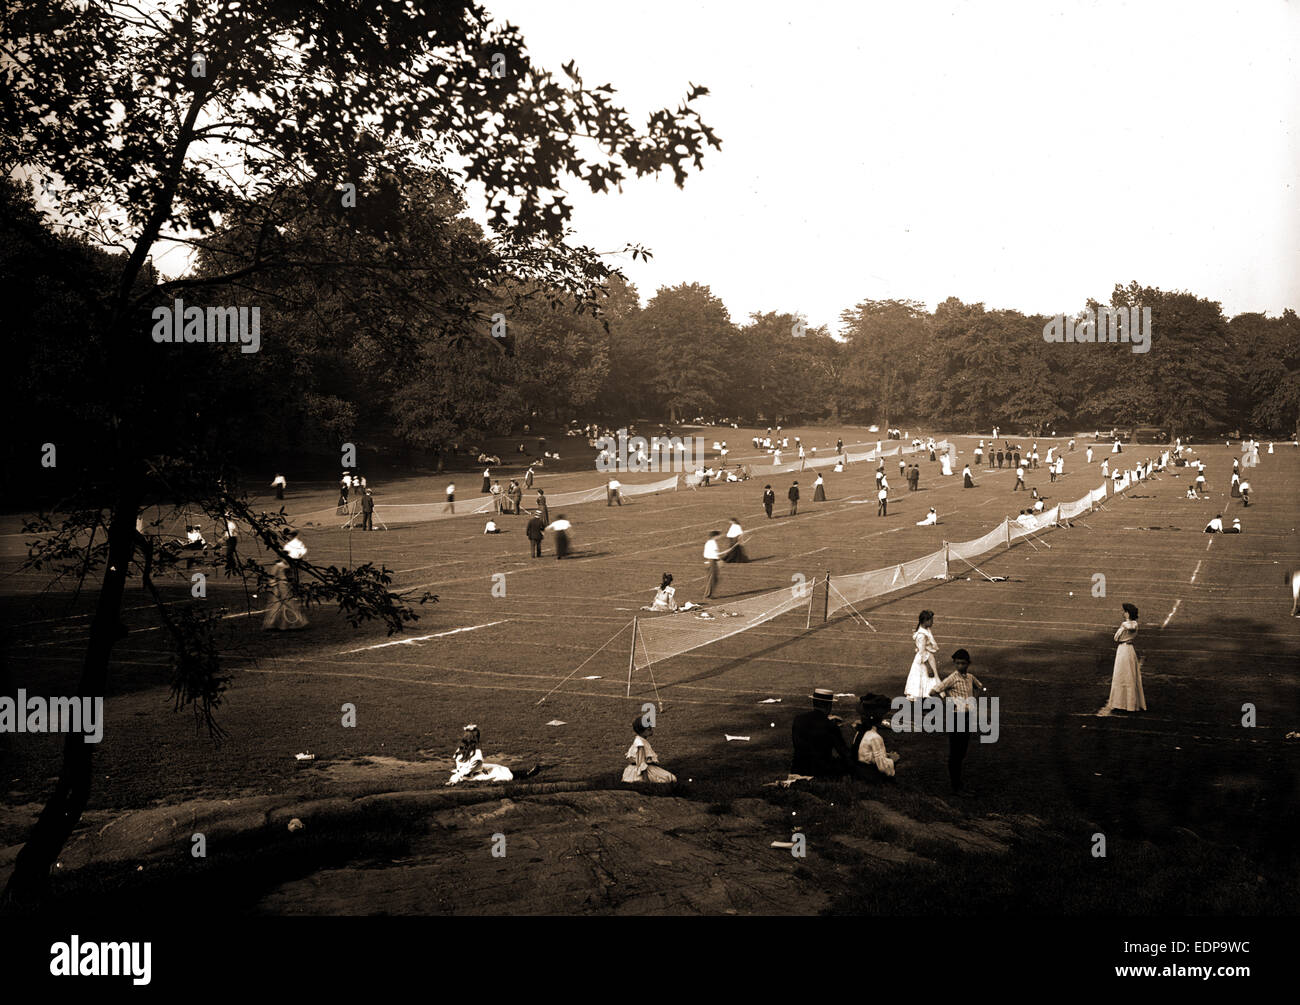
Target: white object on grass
x=730 y=737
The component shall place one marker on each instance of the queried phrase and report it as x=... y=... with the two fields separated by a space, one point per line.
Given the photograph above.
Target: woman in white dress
x=1126 y=681
x=923 y=676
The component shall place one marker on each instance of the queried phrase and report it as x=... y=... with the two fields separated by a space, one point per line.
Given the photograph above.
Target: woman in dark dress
x=819 y=490
x=561 y=529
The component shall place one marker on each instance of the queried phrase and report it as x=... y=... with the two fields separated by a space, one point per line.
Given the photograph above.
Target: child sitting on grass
x=645 y=763
x=470 y=766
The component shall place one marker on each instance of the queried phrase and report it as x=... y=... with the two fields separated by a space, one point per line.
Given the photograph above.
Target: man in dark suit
x=819 y=747
x=769 y=500
x=367 y=510
x=794 y=498
x=534 y=533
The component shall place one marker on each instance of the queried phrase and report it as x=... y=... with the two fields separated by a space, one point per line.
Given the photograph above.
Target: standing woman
x=1126 y=682
x=560 y=528
x=923 y=676
x=819 y=489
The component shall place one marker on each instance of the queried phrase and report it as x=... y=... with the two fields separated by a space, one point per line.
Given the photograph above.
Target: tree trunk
x=29 y=883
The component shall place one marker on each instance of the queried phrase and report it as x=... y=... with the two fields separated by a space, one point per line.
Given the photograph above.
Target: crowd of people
x=820 y=745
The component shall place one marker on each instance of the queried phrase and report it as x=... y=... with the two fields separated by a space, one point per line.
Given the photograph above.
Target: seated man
x=930 y=520
x=819 y=747
x=491 y=528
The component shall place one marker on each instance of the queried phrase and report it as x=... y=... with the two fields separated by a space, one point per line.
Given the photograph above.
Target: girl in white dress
x=1126 y=681
x=923 y=676
x=470 y=766
x=645 y=763
x=665 y=596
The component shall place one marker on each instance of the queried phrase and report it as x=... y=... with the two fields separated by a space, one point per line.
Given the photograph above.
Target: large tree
x=143 y=124
x=887 y=340
x=683 y=336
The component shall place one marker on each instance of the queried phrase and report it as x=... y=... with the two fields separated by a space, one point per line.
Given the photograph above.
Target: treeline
x=413 y=368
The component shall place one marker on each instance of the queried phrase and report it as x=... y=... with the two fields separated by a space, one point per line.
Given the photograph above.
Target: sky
x=1024 y=155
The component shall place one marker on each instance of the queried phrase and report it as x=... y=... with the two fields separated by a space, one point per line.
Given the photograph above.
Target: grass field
x=1217 y=635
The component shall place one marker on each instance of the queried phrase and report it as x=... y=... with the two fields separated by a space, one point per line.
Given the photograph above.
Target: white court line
x=1195 y=571
x=1171 y=613
x=421 y=638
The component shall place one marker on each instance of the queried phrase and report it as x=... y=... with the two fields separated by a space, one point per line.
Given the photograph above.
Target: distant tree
x=1180 y=384
x=1264 y=355
x=887 y=340
x=683 y=335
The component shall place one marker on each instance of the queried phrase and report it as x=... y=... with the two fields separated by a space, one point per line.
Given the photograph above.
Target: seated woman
x=1215 y=526
x=839 y=467
x=193 y=542
x=873 y=761
x=1236 y=526
x=930 y=520
x=491 y=527
x=665 y=596
x=470 y=766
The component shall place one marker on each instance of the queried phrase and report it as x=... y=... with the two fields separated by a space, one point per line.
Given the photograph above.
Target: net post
x=947 y=571
x=1006 y=525
x=812 y=597
x=826 y=600
x=631 y=657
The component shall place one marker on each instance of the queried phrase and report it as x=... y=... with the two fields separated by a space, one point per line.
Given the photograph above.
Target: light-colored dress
x=473 y=769
x=1126 y=682
x=923 y=677
x=644 y=766
x=283 y=610
x=665 y=600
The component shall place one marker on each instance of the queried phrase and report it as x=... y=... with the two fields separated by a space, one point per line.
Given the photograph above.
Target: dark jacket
x=817 y=741
x=534 y=529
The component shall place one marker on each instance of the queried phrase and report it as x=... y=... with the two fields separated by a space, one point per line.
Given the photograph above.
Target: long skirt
x=1126 y=682
x=1236 y=490
x=919 y=682
x=736 y=554
x=561 y=543
x=653 y=773
x=487 y=484
x=283 y=610
x=819 y=495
